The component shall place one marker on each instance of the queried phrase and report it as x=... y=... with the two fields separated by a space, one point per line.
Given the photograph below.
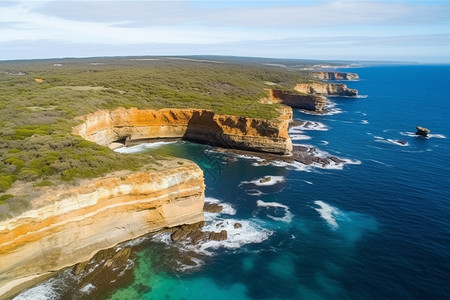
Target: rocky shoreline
x=142 y=202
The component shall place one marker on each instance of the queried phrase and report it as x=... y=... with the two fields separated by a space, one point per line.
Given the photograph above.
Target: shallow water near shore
x=376 y=228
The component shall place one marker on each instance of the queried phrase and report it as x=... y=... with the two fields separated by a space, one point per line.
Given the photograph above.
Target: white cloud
x=277 y=29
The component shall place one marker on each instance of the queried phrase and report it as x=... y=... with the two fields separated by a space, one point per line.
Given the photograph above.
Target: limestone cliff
x=335 y=76
x=300 y=101
x=67 y=226
x=330 y=89
x=105 y=127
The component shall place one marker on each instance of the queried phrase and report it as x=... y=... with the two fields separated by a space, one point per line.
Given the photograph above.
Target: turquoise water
x=375 y=228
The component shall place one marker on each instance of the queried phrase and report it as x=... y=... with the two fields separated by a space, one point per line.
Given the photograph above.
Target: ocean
x=375 y=228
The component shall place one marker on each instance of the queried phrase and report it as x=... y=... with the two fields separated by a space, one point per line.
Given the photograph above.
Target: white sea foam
x=273 y=180
x=227 y=208
x=43 y=291
x=391 y=141
x=297 y=166
x=329 y=109
x=287 y=213
x=380 y=162
x=364 y=122
x=397 y=142
x=308 y=182
x=142 y=147
x=431 y=135
x=254 y=192
x=88 y=288
x=292 y=166
x=135 y=242
x=250 y=232
x=308 y=125
x=183 y=267
x=299 y=137
x=328 y=213
x=324 y=143
x=250 y=157
x=351 y=161
x=50 y=289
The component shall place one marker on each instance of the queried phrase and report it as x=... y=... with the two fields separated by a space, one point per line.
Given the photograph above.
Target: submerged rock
x=108 y=268
x=402 y=142
x=187 y=231
x=422 y=131
x=231 y=159
x=265 y=179
x=218 y=236
x=212 y=207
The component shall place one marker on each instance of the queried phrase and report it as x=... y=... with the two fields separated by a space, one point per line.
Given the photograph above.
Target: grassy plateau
x=40 y=100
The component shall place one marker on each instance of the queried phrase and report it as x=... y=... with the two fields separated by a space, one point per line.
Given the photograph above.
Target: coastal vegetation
x=40 y=100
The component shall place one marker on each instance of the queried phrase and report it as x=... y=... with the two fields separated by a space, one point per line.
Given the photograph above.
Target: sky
x=330 y=30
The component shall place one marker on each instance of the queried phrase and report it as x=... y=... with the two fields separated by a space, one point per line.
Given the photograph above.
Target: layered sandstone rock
x=300 y=101
x=105 y=127
x=321 y=88
x=64 y=227
x=335 y=76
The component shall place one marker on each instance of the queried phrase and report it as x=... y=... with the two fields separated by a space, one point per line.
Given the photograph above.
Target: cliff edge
x=296 y=100
x=335 y=75
x=66 y=226
x=203 y=126
x=329 y=89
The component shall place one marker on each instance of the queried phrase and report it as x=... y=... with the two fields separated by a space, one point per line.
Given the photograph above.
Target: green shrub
x=42 y=183
x=5 y=197
x=6 y=182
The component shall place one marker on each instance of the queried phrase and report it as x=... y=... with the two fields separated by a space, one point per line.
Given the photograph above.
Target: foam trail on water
x=380 y=162
x=328 y=213
x=254 y=192
x=431 y=135
x=142 y=147
x=299 y=137
x=287 y=213
x=380 y=139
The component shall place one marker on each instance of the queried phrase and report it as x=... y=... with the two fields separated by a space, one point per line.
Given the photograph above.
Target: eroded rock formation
x=335 y=75
x=321 y=88
x=422 y=131
x=105 y=127
x=70 y=225
x=300 y=101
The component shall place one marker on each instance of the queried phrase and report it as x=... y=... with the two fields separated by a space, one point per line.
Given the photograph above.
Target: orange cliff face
x=64 y=227
x=300 y=101
x=105 y=127
x=330 y=89
x=335 y=75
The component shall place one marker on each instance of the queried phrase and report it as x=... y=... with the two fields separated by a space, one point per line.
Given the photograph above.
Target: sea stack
x=422 y=131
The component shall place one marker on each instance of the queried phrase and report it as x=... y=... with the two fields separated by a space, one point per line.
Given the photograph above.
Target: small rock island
x=421 y=131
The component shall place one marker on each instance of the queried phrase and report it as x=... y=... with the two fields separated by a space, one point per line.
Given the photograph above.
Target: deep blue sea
x=376 y=228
